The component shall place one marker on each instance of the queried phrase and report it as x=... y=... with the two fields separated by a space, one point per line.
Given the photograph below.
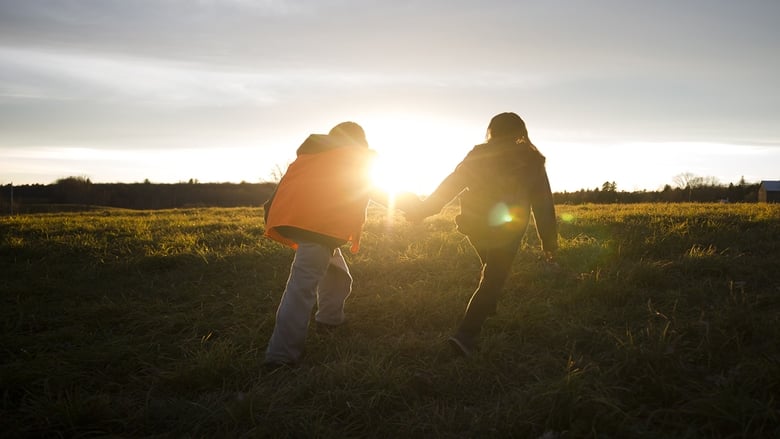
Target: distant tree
x=709 y=181
x=607 y=193
x=73 y=190
x=609 y=187
x=81 y=179
x=687 y=180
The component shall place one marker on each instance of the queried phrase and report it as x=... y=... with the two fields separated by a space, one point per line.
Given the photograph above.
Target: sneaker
x=461 y=345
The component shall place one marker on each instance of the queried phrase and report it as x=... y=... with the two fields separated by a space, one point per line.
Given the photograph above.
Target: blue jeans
x=318 y=275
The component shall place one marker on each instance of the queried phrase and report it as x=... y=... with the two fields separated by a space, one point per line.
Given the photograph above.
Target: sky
x=630 y=92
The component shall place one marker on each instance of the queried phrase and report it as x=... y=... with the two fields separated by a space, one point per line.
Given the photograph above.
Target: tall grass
x=662 y=321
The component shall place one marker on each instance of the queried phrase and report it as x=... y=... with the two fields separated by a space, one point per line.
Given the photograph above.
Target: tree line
x=698 y=190
x=80 y=191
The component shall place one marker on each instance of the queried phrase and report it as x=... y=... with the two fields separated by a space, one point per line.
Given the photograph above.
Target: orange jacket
x=325 y=192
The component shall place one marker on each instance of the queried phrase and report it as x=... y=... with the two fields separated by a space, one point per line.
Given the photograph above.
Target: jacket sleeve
x=544 y=212
x=267 y=205
x=379 y=196
x=448 y=189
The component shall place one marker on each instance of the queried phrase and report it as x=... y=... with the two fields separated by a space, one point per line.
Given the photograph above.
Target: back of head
x=506 y=125
x=349 y=133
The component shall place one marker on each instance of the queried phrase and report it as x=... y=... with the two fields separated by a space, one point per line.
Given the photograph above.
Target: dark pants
x=496 y=264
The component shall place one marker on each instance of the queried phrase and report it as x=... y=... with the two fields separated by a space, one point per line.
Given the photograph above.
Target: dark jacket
x=500 y=183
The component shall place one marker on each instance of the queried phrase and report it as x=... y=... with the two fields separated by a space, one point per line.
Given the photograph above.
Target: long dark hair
x=507 y=125
x=510 y=126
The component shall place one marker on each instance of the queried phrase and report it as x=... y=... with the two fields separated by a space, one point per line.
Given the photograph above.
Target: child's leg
x=496 y=265
x=333 y=291
x=292 y=317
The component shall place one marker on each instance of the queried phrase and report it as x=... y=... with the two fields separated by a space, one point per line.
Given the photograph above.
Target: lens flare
x=499 y=215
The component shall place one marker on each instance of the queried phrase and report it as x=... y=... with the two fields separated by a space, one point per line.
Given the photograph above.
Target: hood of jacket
x=317 y=143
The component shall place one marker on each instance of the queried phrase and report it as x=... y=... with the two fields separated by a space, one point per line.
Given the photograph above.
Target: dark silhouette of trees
x=689 y=188
x=146 y=195
x=80 y=191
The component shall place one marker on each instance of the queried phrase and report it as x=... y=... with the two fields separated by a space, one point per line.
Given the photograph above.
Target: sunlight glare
x=415 y=152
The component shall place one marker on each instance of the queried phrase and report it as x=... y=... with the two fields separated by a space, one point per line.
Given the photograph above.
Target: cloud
x=64 y=76
x=112 y=74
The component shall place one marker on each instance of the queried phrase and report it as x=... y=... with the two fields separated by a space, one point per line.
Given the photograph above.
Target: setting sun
x=415 y=152
x=384 y=176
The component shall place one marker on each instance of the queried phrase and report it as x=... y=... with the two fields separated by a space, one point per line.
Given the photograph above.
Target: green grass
x=663 y=321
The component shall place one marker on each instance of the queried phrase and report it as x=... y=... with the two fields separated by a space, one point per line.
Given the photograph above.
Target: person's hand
x=405 y=201
x=411 y=205
x=415 y=216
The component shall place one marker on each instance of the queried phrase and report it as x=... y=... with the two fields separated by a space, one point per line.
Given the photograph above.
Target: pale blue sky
x=611 y=90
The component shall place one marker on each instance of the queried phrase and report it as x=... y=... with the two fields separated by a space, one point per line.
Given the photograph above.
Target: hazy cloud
x=118 y=73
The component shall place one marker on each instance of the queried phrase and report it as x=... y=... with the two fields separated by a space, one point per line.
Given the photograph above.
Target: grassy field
x=663 y=321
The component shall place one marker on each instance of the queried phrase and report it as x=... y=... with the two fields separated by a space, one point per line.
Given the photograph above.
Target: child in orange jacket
x=318 y=205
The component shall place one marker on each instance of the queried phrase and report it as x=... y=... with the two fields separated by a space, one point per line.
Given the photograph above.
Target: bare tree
x=276 y=174
x=710 y=181
x=690 y=181
x=686 y=180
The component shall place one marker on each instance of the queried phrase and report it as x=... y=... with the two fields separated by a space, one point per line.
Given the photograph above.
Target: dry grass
x=662 y=322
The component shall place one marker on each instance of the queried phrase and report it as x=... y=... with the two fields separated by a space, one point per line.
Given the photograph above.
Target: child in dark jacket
x=500 y=183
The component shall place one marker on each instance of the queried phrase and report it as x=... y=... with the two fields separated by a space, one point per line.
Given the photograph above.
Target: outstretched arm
x=379 y=196
x=448 y=189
